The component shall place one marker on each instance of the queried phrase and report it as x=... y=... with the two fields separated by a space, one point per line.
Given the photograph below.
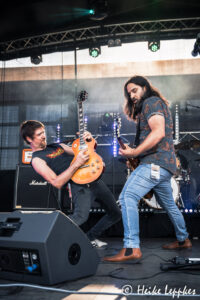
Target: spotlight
x=58 y=133
x=36 y=59
x=115 y=147
x=91 y=11
x=114 y=43
x=154 y=45
x=107 y=122
x=94 y=51
x=196 y=49
x=98 y=9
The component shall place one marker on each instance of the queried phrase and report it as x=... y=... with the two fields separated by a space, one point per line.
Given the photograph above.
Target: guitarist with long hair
x=157 y=163
x=53 y=163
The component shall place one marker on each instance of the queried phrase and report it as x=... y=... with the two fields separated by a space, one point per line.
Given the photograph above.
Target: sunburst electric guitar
x=93 y=168
x=134 y=162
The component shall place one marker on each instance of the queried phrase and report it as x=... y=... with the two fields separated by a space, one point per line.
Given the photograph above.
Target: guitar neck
x=131 y=160
x=81 y=122
x=121 y=143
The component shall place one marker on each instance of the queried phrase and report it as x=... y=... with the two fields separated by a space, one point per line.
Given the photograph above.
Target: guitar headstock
x=82 y=96
x=118 y=125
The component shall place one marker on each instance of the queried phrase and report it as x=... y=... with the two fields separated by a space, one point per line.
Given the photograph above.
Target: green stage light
x=154 y=46
x=91 y=11
x=94 y=51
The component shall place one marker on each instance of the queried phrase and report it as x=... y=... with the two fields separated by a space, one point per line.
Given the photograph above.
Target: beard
x=137 y=107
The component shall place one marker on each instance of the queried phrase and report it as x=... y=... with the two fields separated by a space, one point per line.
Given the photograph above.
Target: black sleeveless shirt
x=55 y=157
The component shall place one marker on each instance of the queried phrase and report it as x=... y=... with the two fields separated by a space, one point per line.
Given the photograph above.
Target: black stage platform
x=139 y=278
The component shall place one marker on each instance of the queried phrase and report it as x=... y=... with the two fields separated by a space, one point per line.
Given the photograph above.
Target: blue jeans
x=137 y=186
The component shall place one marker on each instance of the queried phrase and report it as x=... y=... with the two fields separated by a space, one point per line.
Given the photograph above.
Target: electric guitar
x=93 y=168
x=134 y=162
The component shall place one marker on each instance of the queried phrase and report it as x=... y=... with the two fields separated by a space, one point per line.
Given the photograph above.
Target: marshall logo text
x=34 y=182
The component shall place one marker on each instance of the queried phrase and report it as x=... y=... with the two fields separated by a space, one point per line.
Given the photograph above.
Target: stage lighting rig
x=107 y=122
x=98 y=9
x=95 y=51
x=114 y=42
x=196 y=49
x=36 y=59
x=154 y=45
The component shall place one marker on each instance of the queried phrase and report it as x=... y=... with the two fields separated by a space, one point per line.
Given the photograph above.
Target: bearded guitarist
x=52 y=162
x=146 y=106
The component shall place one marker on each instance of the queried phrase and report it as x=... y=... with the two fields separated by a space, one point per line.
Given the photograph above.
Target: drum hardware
x=128 y=172
x=178 y=166
x=179 y=178
x=198 y=200
x=187 y=145
x=185 y=174
x=175 y=191
x=180 y=202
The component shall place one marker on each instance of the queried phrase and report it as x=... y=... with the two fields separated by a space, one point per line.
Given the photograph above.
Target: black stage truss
x=81 y=38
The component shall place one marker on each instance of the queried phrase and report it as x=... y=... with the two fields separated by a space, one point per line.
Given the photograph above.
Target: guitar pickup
x=84 y=166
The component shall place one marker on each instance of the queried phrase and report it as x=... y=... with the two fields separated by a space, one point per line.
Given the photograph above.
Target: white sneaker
x=98 y=244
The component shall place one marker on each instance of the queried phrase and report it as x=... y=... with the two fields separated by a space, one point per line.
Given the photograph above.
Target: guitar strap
x=137 y=141
x=137 y=136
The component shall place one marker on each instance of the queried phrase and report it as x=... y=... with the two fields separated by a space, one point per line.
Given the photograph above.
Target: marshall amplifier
x=32 y=191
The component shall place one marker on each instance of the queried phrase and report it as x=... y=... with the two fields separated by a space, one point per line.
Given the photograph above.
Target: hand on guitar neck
x=87 y=136
x=126 y=151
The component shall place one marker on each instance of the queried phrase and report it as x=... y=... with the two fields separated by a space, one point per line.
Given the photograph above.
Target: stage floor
x=138 y=278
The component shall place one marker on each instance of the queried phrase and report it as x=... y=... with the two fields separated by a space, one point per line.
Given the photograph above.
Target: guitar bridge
x=83 y=147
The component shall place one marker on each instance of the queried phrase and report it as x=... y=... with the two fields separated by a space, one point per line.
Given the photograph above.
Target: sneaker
x=98 y=244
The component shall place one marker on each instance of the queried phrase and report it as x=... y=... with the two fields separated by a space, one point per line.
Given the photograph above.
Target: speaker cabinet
x=44 y=248
x=32 y=191
x=7 y=181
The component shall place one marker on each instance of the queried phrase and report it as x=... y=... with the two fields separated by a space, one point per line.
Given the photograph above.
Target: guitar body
x=93 y=168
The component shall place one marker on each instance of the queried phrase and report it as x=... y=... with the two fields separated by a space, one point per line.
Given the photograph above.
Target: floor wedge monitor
x=44 y=247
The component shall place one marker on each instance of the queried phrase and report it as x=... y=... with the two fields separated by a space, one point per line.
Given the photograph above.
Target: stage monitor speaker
x=32 y=191
x=44 y=247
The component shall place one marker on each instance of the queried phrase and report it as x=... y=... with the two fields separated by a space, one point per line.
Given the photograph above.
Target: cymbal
x=195 y=143
x=182 y=146
x=187 y=145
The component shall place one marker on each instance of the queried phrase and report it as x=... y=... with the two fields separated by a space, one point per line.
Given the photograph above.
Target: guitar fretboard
x=81 y=122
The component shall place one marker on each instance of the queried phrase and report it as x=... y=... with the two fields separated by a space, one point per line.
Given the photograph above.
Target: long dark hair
x=129 y=108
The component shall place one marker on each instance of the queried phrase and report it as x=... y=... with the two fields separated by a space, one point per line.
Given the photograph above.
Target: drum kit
x=185 y=179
